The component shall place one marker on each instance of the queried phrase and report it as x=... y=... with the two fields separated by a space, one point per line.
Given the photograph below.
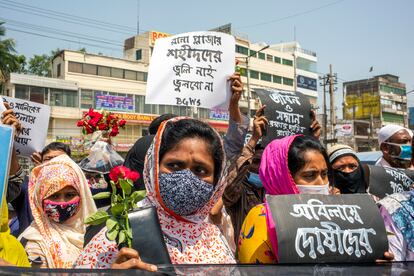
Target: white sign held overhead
x=191 y=69
x=34 y=118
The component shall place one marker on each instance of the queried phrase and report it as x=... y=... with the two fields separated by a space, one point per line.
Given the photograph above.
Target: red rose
x=90 y=112
x=88 y=129
x=133 y=175
x=102 y=126
x=114 y=131
x=94 y=121
x=122 y=172
x=80 y=123
x=122 y=123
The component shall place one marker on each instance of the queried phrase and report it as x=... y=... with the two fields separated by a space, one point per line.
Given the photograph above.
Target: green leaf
x=130 y=182
x=117 y=209
x=138 y=196
x=129 y=233
x=111 y=235
x=125 y=186
x=97 y=218
x=111 y=223
x=102 y=195
x=122 y=237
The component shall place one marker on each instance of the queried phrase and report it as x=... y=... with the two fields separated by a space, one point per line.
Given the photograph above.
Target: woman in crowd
x=183 y=174
x=348 y=173
x=292 y=165
x=60 y=200
x=397 y=211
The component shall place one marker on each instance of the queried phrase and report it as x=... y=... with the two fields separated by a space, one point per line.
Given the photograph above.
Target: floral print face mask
x=60 y=212
x=183 y=192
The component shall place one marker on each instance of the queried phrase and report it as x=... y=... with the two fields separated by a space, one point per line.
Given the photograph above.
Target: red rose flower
x=102 y=126
x=88 y=129
x=94 y=121
x=80 y=123
x=122 y=123
x=114 y=131
x=122 y=172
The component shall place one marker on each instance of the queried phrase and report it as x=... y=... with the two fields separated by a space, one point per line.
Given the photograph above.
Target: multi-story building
x=381 y=100
x=81 y=80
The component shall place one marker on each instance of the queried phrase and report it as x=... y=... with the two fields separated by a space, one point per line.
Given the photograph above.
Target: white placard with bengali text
x=191 y=69
x=34 y=118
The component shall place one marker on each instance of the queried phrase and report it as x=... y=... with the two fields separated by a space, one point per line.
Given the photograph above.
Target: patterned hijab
x=189 y=239
x=61 y=243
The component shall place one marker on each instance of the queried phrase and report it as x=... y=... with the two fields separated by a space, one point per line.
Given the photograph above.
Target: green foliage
x=40 y=65
x=97 y=218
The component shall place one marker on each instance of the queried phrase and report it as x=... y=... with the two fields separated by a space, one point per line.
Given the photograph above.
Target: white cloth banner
x=191 y=69
x=34 y=118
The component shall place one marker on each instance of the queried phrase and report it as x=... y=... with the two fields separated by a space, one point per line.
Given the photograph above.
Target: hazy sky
x=352 y=35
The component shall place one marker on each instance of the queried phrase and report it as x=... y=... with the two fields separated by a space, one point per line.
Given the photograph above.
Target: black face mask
x=350 y=183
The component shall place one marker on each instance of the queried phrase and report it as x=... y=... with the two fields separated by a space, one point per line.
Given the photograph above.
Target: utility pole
x=332 y=82
x=325 y=134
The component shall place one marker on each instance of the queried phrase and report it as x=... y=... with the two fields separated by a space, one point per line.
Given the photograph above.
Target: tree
x=40 y=65
x=9 y=62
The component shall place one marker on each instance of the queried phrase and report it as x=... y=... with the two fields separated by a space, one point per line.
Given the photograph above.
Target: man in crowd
x=395 y=144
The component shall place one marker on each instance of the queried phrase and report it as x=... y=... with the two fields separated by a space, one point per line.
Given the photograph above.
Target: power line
x=59 y=32
x=72 y=21
x=67 y=15
x=291 y=16
x=63 y=39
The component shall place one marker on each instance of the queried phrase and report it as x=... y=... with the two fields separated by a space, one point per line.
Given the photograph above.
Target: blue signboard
x=115 y=102
x=306 y=83
x=6 y=145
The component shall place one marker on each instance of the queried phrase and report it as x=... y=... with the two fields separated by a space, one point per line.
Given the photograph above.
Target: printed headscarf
x=189 y=239
x=61 y=243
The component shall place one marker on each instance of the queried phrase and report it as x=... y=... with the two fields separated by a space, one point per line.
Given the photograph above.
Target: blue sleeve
x=234 y=139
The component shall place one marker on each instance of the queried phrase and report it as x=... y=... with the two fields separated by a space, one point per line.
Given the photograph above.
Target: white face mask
x=314 y=189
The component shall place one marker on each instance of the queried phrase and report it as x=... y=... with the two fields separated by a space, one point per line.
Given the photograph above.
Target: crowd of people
x=207 y=191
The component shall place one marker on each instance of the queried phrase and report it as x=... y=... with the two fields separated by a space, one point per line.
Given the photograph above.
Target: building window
x=287 y=81
x=130 y=75
x=90 y=69
x=269 y=58
x=58 y=70
x=138 y=54
x=262 y=56
x=104 y=71
x=87 y=99
x=22 y=92
x=254 y=74
x=117 y=73
x=277 y=59
x=277 y=79
x=306 y=65
x=141 y=76
x=242 y=50
x=75 y=67
x=38 y=94
x=60 y=97
x=287 y=62
x=265 y=77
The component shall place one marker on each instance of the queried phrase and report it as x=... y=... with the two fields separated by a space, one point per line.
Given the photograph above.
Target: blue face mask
x=183 y=192
x=254 y=179
x=405 y=151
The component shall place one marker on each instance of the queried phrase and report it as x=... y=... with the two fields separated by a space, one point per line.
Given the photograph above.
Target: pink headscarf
x=276 y=178
x=274 y=171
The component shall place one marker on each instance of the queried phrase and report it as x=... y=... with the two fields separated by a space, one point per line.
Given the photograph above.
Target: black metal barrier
x=403 y=268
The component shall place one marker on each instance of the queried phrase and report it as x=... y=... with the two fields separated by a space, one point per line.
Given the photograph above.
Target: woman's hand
x=388 y=257
x=8 y=118
x=260 y=124
x=128 y=258
x=236 y=91
x=315 y=126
